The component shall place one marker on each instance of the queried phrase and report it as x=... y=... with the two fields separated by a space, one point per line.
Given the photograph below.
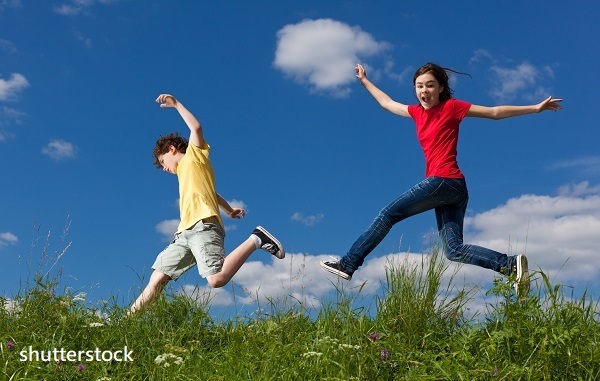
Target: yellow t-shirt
x=197 y=194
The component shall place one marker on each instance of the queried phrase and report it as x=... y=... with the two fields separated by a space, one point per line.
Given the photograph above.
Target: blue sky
x=295 y=139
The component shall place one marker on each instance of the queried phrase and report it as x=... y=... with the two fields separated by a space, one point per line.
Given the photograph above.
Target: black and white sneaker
x=269 y=243
x=335 y=267
x=520 y=267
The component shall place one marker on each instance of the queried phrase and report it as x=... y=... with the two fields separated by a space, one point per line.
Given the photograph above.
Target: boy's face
x=169 y=160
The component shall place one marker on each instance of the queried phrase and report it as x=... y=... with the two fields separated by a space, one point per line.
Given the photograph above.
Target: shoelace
x=271 y=248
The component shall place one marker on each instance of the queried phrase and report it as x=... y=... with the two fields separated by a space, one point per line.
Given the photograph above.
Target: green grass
x=420 y=331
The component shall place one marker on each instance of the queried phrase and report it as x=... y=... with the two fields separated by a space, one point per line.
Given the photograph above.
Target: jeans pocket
x=450 y=192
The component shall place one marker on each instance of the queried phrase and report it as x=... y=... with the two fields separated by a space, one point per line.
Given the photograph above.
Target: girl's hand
x=549 y=103
x=237 y=213
x=166 y=100
x=360 y=72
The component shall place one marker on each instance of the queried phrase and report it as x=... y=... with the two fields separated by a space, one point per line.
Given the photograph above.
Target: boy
x=200 y=234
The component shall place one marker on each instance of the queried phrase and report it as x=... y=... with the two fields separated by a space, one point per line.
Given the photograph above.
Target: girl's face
x=427 y=90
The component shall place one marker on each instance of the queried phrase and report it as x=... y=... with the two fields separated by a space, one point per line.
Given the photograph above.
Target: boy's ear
x=172 y=149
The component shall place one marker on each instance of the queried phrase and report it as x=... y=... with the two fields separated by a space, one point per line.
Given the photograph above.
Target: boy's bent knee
x=215 y=282
x=159 y=278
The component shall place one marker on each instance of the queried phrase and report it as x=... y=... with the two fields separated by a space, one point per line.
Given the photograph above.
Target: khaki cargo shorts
x=202 y=244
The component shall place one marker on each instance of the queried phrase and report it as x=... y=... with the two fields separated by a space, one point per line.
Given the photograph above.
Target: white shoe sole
x=336 y=272
x=522 y=283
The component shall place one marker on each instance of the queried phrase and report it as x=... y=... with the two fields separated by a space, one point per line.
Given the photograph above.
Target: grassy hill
x=420 y=331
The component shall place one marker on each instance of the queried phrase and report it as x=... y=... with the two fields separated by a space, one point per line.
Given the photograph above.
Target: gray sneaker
x=269 y=243
x=521 y=269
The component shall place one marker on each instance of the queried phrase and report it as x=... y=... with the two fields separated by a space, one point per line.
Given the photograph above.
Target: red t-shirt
x=437 y=131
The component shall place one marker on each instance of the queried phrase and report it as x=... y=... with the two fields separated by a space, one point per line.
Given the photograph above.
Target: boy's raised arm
x=196 y=136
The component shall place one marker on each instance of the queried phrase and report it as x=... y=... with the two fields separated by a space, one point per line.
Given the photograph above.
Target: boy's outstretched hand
x=237 y=213
x=166 y=100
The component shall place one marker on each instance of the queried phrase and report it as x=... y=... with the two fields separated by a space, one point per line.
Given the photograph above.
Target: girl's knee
x=453 y=250
x=384 y=219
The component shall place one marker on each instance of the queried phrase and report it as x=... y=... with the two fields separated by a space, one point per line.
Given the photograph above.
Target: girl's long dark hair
x=441 y=75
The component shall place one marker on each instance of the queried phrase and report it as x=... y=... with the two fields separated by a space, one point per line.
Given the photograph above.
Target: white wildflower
x=168 y=359
x=80 y=297
x=311 y=354
x=10 y=306
x=95 y=324
x=348 y=346
x=329 y=339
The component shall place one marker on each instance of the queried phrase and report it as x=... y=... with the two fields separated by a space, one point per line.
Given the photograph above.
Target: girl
x=437 y=118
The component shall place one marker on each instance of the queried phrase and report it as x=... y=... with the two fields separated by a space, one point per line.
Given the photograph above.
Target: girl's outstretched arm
x=382 y=98
x=501 y=112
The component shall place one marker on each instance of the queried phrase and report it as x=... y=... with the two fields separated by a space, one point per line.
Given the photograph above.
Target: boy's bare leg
x=157 y=283
x=232 y=264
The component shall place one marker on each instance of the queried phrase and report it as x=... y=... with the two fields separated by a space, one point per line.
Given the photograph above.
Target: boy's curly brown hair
x=164 y=142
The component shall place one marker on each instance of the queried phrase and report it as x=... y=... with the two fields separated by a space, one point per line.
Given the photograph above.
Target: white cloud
x=77 y=7
x=523 y=79
x=9 y=88
x=8 y=238
x=480 y=54
x=9 y=115
x=559 y=234
x=588 y=165
x=7 y=46
x=323 y=52
x=59 y=149
x=167 y=228
x=307 y=220
x=297 y=275
x=87 y=42
x=388 y=70
x=9 y=4
x=578 y=190
x=510 y=82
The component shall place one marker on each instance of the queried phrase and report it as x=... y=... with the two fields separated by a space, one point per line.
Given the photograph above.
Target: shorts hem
x=172 y=276
x=209 y=273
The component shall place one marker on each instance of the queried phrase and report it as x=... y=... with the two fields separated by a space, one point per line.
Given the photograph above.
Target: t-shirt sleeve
x=460 y=108
x=199 y=154
x=411 y=110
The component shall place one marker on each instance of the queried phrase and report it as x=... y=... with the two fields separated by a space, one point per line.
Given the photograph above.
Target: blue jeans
x=449 y=198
